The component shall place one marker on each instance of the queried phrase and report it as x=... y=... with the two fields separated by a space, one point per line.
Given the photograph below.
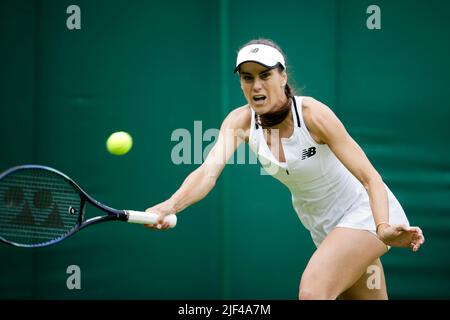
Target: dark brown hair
x=271 y=119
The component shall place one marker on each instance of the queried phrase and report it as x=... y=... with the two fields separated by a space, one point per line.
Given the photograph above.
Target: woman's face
x=263 y=88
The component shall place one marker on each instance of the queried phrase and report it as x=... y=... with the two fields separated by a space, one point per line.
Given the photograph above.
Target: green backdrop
x=151 y=67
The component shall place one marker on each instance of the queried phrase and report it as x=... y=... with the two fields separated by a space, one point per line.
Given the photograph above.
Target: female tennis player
x=353 y=217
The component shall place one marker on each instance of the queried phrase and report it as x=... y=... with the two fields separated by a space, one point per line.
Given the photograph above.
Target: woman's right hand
x=402 y=236
x=162 y=209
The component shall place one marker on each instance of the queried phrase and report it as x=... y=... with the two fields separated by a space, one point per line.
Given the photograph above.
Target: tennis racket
x=40 y=206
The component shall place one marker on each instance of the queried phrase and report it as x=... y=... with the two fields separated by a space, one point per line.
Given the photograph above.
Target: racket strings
x=37 y=206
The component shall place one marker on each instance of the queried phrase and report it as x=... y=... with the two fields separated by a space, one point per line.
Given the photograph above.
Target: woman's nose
x=257 y=85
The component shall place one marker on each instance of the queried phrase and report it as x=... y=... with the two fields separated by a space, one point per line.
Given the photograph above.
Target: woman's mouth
x=259 y=99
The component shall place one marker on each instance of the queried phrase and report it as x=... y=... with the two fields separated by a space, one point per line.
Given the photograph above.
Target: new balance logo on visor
x=254 y=50
x=307 y=153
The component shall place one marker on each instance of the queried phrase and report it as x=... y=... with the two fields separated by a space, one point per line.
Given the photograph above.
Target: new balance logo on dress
x=307 y=153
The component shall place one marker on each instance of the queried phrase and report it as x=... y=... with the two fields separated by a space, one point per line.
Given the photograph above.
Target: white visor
x=260 y=53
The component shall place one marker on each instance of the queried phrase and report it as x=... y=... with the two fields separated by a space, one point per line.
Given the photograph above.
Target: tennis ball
x=119 y=143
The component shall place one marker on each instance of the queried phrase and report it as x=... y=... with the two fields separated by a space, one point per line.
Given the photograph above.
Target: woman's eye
x=265 y=75
x=247 y=78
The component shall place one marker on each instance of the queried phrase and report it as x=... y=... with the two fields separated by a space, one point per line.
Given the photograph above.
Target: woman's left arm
x=326 y=128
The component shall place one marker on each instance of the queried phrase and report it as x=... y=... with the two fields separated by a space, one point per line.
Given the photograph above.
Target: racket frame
x=112 y=214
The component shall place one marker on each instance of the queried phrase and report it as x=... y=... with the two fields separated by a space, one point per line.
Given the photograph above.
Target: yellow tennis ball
x=119 y=143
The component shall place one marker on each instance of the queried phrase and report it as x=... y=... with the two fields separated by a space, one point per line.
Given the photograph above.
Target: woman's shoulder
x=314 y=110
x=311 y=103
x=239 y=122
x=316 y=116
x=239 y=118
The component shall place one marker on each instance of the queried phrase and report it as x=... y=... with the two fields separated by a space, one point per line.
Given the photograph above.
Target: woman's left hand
x=402 y=236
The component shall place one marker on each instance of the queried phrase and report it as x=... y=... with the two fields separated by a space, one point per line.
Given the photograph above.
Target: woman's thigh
x=371 y=285
x=339 y=262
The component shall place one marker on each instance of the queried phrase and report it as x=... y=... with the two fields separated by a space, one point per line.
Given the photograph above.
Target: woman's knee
x=316 y=290
x=315 y=294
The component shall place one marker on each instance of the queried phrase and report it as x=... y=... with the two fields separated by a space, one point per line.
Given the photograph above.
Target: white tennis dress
x=324 y=192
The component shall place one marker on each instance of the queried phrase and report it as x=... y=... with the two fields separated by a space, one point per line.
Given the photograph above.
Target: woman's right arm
x=200 y=182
